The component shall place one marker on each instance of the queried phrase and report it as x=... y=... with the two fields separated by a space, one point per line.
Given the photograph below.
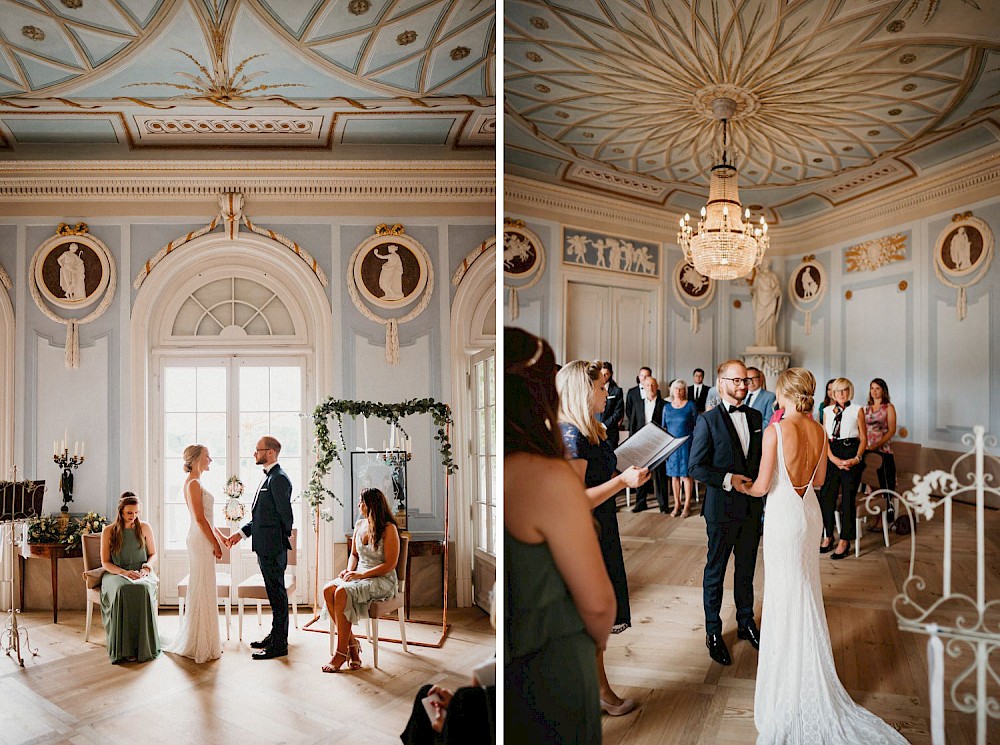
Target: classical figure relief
x=72 y=273
x=391 y=278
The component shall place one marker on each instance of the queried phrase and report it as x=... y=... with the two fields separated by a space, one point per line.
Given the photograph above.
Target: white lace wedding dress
x=199 y=636
x=799 y=699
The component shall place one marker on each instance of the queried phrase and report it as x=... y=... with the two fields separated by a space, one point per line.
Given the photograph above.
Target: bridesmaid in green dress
x=559 y=604
x=128 y=589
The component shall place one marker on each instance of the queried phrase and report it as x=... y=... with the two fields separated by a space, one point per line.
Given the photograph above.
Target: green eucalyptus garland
x=328 y=450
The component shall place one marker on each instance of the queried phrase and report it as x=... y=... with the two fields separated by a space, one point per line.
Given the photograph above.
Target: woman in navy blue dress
x=679 y=417
x=581 y=396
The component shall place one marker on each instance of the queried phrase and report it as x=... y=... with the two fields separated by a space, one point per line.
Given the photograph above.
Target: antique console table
x=53 y=552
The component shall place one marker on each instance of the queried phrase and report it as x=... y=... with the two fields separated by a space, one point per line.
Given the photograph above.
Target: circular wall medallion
x=523 y=255
x=963 y=247
x=807 y=285
x=72 y=271
x=390 y=271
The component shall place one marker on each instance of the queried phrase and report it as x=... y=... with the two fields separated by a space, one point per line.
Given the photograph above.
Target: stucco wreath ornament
x=72 y=270
x=390 y=270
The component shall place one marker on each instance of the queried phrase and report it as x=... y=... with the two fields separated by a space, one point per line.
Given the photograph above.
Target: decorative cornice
x=423 y=181
x=947 y=188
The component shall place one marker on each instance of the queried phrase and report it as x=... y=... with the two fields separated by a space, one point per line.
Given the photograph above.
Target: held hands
x=234 y=539
x=635 y=477
x=440 y=707
x=742 y=484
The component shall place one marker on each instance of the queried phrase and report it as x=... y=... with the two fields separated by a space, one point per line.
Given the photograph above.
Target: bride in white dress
x=799 y=698
x=199 y=636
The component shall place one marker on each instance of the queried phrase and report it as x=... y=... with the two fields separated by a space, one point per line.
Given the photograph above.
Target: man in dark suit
x=614 y=408
x=650 y=410
x=271 y=526
x=698 y=392
x=725 y=451
x=634 y=396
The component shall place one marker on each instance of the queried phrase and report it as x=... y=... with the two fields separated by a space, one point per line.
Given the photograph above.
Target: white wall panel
x=962 y=397
x=75 y=402
x=690 y=350
x=875 y=323
x=588 y=322
x=377 y=381
x=809 y=351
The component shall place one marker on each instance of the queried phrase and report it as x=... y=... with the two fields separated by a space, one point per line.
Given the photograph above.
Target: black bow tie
x=265 y=472
x=744 y=409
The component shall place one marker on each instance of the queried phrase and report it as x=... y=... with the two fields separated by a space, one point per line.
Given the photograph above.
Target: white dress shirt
x=650 y=407
x=739 y=420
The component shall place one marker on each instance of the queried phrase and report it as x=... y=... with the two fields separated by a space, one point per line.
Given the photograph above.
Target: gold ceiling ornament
x=79 y=229
x=385 y=229
x=217 y=84
x=874 y=254
x=513 y=222
x=724 y=246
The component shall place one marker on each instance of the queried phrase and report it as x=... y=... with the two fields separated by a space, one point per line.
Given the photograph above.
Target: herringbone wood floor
x=687 y=699
x=70 y=693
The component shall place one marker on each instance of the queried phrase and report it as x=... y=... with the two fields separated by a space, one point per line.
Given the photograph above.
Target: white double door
x=616 y=324
x=226 y=403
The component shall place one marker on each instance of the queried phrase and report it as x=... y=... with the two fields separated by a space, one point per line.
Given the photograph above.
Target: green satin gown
x=129 y=608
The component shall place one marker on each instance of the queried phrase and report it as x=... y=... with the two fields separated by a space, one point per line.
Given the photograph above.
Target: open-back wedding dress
x=799 y=699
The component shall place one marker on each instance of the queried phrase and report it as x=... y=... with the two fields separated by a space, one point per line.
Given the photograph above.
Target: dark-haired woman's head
x=374 y=507
x=878 y=387
x=531 y=403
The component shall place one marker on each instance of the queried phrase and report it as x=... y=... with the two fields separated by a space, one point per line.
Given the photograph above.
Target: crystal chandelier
x=724 y=246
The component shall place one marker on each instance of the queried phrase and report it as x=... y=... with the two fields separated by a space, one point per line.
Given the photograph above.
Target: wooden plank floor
x=686 y=698
x=70 y=693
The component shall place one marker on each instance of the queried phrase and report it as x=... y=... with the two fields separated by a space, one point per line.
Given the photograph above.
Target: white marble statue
x=72 y=274
x=961 y=250
x=765 y=293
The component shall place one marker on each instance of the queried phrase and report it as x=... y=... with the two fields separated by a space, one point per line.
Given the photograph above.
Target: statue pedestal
x=769 y=360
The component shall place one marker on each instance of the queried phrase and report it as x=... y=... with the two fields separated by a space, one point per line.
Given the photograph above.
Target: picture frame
x=390 y=271
x=370 y=468
x=72 y=271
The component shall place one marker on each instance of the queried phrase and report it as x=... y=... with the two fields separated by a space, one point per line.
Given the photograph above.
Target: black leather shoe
x=262 y=644
x=750 y=632
x=717 y=649
x=639 y=507
x=270 y=653
x=847 y=552
x=826 y=549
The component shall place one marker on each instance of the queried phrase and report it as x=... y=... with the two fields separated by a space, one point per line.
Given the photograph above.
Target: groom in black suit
x=271 y=526
x=725 y=451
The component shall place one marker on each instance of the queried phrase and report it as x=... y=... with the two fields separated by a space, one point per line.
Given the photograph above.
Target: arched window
x=230 y=340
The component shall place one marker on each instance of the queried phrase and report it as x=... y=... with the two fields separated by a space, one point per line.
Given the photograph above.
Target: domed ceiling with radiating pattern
x=246 y=73
x=835 y=99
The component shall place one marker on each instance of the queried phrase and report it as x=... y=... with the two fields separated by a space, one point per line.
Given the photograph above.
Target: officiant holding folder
x=649 y=410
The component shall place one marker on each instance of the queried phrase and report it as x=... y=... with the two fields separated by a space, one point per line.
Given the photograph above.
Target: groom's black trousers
x=272 y=568
x=725 y=539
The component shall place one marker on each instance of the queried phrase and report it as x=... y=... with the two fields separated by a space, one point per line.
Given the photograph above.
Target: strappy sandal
x=355 y=657
x=329 y=668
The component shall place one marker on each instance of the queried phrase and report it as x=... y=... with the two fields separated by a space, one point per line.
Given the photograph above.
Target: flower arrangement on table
x=234 y=509
x=47 y=529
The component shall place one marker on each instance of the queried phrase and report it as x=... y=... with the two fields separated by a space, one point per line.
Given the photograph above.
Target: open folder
x=647 y=448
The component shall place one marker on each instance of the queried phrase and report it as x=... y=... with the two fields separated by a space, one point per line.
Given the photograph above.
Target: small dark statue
x=68 y=464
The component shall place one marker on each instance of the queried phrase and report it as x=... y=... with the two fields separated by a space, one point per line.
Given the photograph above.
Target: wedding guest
x=698 y=392
x=464 y=715
x=845 y=428
x=880 y=423
x=558 y=601
x=370 y=575
x=128 y=587
x=679 y=418
x=613 y=413
x=827 y=400
x=581 y=397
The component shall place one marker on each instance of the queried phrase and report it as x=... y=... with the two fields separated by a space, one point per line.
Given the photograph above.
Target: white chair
x=92 y=573
x=223 y=585
x=252 y=589
x=379 y=608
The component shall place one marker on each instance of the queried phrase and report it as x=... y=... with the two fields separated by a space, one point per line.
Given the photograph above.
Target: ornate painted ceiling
x=130 y=75
x=836 y=99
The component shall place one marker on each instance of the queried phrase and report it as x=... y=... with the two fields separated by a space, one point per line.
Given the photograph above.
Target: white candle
x=82 y=443
x=366 y=434
x=392 y=436
x=55 y=448
x=76 y=448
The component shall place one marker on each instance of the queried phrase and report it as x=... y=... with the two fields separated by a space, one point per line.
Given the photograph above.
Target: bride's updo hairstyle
x=191 y=454
x=798 y=386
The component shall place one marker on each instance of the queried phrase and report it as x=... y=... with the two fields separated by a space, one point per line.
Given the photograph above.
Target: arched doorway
x=473 y=351
x=230 y=340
